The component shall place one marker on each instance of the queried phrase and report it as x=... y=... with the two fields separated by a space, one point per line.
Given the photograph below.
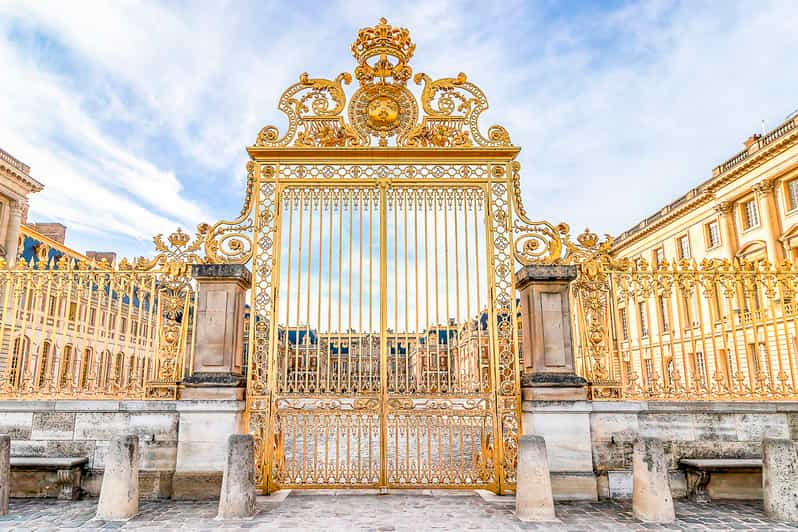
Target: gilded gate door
x=383 y=331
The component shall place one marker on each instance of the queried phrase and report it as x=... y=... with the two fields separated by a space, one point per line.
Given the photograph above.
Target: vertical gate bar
x=435 y=203
x=329 y=299
x=351 y=201
x=306 y=352
x=407 y=327
x=361 y=192
x=446 y=195
x=300 y=212
x=493 y=340
x=317 y=372
x=272 y=353
x=383 y=336
x=287 y=196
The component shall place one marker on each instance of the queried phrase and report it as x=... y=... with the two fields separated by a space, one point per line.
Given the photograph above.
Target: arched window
x=118 y=368
x=44 y=362
x=65 y=374
x=131 y=369
x=85 y=368
x=19 y=360
x=105 y=368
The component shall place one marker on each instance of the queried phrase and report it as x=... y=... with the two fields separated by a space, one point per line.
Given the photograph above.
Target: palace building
x=747 y=209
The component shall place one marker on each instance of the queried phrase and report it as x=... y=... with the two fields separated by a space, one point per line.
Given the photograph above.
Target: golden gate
x=383 y=332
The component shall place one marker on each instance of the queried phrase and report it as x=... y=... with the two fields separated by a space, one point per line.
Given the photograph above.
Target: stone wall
x=694 y=429
x=85 y=428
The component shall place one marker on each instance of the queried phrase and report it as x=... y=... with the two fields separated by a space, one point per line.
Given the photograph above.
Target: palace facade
x=747 y=209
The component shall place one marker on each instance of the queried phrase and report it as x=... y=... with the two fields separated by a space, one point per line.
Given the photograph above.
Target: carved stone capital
x=724 y=207
x=18 y=207
x=765 y=186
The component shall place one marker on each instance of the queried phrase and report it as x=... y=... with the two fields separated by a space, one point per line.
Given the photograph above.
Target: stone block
x=153 y=426
x=666 y=427
x=574 y=486
x=28 y=448
x=618 y=426
x=53 y=426
x=63 y=448
x=100 y=425
x=158 y=456
x=612 y=456
x=18 y=425
x=237 y=498
x=756 y=427
x=780 y=479
x=567 y=436
x=200 y=456
x=652 y=500
x=196 y=485
x=119 y=495
x=5 y=472
x=533 y=496
x=715 y=427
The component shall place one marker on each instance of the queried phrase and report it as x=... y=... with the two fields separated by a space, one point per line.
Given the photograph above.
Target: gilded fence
x=73 y=328
x=680 y=330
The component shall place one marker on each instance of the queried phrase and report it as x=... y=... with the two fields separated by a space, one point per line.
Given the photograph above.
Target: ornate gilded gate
x=383 y=333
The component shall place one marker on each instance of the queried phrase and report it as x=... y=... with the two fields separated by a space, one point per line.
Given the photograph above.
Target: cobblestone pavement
x=417 y=511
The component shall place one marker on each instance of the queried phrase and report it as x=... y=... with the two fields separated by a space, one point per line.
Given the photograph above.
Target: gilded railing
x=75 y=329
x=717 y=330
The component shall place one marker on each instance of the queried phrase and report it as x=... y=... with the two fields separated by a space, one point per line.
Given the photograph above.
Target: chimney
x=97 y=256
x=52 y=230
x=752 y=140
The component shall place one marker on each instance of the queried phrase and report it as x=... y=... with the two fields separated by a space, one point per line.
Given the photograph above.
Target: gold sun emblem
x=383 y=112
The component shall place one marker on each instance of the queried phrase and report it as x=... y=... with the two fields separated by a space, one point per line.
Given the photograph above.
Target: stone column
x=119 y=494
x=218 y=368
x=780 y=479
x=533 y=496
x=651 y=490
x=237 y=498
x=727 y=231
x=12 y=232
x=770 y=219
x=5 y=472
x=548 y=358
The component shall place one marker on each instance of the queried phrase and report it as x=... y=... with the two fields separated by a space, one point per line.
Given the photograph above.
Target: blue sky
x=135 y=115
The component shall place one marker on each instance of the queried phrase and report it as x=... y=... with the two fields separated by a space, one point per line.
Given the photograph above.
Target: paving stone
x=394 y=512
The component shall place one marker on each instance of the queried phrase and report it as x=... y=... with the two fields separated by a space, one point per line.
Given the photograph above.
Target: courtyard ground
x=458 y=511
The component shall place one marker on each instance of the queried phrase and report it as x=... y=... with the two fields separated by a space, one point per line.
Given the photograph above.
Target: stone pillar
x=237 y=499
x=554 y=397
x=770 y=219
x=780 y=479
x=548 y=358
x=218 y=365
x=12 y=232
x=652 y=500
x=727 y=231
x=533 y=496
x=5 y=472
x=119 y=495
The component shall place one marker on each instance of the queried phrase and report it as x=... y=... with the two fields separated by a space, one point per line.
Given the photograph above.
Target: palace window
x=712 y=231
x=659 y=257
x=684 y=247
x=624 y=324
x=641 y=307
x=663 y=313
x=792 y=194
x=43 y=362
x=750 y=214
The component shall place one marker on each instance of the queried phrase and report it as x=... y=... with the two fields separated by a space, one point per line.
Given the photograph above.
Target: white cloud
x=617 y=112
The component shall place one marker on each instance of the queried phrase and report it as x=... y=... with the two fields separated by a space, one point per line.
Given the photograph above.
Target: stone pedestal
x=5 y=472
x=780 y=479
x=217 y=370
x=202 y=445
x=119 y=495
x=548 y=359
x=533 y=498
x=554 y=397
x=237 y=499
x=651 y=490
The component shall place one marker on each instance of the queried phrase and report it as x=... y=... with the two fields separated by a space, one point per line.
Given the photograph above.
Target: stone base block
x=554 y=393
x=152 y=484
x=196 y=486
x=212 y=393
x=577 y=486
